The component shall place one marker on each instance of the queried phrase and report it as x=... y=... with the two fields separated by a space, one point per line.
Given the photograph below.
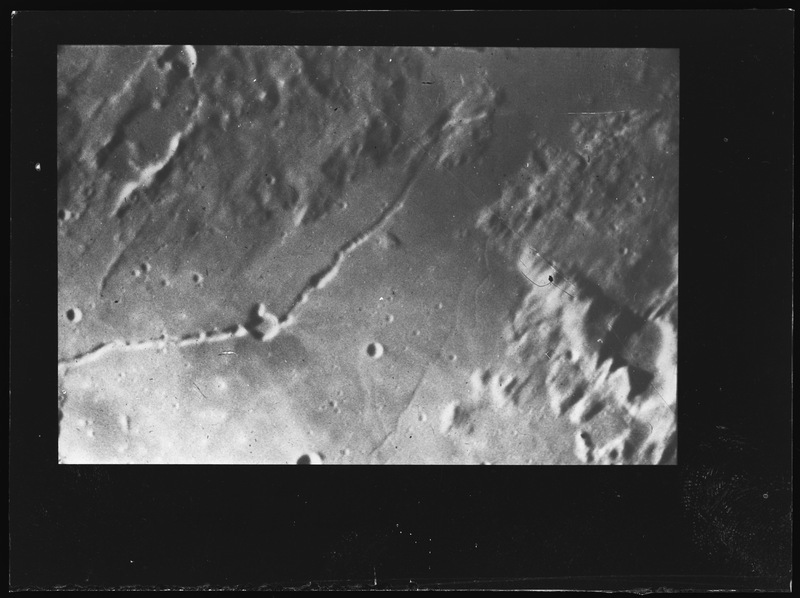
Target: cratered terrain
x=358 y=255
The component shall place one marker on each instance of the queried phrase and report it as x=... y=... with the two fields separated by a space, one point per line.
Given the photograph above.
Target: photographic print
x=367 y=255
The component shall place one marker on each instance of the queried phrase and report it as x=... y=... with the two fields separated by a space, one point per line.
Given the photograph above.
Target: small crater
x=262 y=324
x=65 y=215
x=74 y=315
x=310 y=459
x=145 y=268
x=389 y=318
x=168 y=56
x=375 y=350
x=452 y=357
x=197 y=278
x=266 y=330
x=259 y=312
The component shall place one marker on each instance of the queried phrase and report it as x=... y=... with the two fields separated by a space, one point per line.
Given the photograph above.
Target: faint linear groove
x=412 y=395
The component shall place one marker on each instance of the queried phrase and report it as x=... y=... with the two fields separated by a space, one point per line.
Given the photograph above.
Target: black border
x=703 y=524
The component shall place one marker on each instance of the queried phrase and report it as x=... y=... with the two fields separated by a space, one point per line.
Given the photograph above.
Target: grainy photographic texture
x=388 y=255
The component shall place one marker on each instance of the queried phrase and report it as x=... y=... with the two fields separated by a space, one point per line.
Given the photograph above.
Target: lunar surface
x=317 y=255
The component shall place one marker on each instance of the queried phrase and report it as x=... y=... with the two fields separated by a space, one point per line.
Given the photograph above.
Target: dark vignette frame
x=721 y=519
